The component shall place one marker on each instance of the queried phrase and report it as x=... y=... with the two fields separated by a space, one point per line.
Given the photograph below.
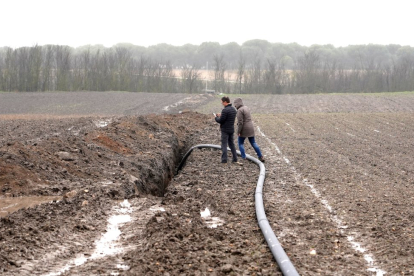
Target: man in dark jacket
x=226 y=120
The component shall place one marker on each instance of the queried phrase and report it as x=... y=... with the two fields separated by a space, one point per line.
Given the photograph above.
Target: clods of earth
x=114 y=205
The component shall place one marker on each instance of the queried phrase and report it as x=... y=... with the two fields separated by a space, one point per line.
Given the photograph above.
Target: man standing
x=245 y=129
x=226 y=120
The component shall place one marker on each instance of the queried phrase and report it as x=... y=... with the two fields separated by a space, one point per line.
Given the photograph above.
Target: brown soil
x=361 y=165
x=92 y=168
x=329 y=177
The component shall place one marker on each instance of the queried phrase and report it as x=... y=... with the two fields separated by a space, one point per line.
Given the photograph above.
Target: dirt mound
x=89 y=162
x=79 y=151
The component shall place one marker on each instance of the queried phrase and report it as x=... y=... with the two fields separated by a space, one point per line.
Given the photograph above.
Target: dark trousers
x=227 y=139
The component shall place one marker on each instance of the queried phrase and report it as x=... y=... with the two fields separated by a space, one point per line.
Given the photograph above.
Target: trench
x=154 y=180
x=156 y=176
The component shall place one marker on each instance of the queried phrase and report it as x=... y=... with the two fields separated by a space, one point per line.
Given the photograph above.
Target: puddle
x=108 y=243
x=102 y=123
x=12 y=204
x=157 y=208
x=75 y=132
x=212 y=222
x=166 y=108
x=121 y=267
x=106 y=182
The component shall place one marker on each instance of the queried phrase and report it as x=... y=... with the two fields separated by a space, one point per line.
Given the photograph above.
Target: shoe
x=262 y=159
x=237 y=163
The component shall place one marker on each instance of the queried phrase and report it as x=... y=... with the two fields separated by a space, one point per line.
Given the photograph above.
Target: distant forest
x=256 y=66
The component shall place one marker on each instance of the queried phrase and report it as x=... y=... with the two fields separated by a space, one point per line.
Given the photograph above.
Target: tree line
x=256 y=66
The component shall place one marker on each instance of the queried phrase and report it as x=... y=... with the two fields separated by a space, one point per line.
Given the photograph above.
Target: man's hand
x=218 y=114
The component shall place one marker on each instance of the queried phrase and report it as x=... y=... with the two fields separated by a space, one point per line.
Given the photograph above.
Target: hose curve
x=279 y=254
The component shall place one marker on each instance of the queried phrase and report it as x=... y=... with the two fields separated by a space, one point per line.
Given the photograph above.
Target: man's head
x=225 y=101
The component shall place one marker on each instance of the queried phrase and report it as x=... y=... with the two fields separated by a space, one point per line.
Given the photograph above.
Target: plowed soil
x=338 y=190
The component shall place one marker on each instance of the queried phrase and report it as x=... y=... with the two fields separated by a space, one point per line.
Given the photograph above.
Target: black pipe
x=279 y=254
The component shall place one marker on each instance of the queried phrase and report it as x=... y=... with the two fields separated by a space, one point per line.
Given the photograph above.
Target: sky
x=177 y=22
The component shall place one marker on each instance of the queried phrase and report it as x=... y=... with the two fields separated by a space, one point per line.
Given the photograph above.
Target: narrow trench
x=127 y=216
x=159 y=175
x=162 y=180
x=151 y=183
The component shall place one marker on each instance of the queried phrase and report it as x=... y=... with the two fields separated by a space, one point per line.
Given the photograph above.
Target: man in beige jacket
x=245 y=129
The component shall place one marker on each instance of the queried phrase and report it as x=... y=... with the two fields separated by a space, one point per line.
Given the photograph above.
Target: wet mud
x=11 y=204
x=338 y=192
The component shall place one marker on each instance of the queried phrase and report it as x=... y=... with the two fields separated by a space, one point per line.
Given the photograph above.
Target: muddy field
x=338 y=190
x=77 y=104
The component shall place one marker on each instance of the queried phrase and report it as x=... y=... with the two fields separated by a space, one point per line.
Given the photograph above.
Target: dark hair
x=225 y=99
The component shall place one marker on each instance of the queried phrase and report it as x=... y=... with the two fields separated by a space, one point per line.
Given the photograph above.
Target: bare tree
x=46 y=82
x=241 y=66
x=123 y=60
x=63 y=67
x=220 y=67
x=253 y=76
x=190 y=76
x=10 y=70
x=307 y=74
x=274 y=77
x=34 y=68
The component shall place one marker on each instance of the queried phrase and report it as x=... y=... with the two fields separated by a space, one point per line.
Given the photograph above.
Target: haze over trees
x=256 y=66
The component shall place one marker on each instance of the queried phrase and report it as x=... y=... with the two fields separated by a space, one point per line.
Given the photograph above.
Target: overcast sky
x=177 y=22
